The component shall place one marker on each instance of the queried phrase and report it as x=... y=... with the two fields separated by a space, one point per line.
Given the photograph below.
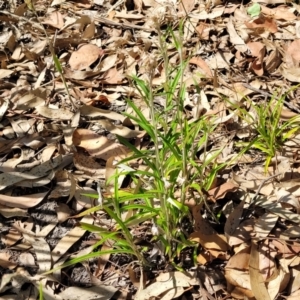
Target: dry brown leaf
x=257 y=50
x=83 y=201
x=239 y=279
x=9 y=212
x=5 y=73
x=89 y=32
x=55 y=19
x=26 y=259
x=234 y=220
x=165 y=282
x=243 y=233
x=69 y=239
x=200 y=223
x=265 y=224
x=8 y=179
x=202 y=65
x=263 y=23
x=59 y=114
x=120 y=130
x=89 y=165
x=63 y=212
x=85 y=56
x=276 y=208
x=186 y=6
x=94 y=112
x=12 y=237
x=32 y=99
x=5 y=261
x=215 y=241
x=91 y=293
x=97 y=146
x=258 y=286
x=25 y=201
x=203 y=30
x=103 y=260
x=108 y=62
x=42 y=252
x=112 y=76
x=293 y=296
x=240 y=260
x=235 y=39
x=273 y=60
x=279 y=283
x=221 y=191
x=281 y=12
x=293 y=50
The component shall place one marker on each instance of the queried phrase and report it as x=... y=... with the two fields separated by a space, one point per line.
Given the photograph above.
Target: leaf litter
x=53 y=157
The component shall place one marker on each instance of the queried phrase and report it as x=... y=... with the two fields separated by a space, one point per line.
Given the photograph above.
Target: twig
x=266 y=94
x=109 y=22
x=19 y=18
x=262 y=183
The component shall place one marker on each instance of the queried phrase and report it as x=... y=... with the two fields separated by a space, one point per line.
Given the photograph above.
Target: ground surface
x=55 y=147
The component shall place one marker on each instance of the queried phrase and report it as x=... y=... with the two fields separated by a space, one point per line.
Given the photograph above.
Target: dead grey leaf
x=59 y=114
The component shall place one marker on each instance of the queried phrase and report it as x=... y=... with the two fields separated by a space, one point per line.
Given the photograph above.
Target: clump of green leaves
x=170 y=168
x=270 y=132
x=170 y=162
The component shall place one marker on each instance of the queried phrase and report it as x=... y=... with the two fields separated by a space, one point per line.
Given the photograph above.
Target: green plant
x=170 y=167
x=170 y=164
x=270 y=132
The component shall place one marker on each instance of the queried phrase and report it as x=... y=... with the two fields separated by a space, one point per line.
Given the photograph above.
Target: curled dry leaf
x=258 y=51
x=202 y=65
x=63 y=212
x=85 y=56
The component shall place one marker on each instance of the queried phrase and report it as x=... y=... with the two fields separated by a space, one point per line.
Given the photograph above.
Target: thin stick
x=266 y=94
